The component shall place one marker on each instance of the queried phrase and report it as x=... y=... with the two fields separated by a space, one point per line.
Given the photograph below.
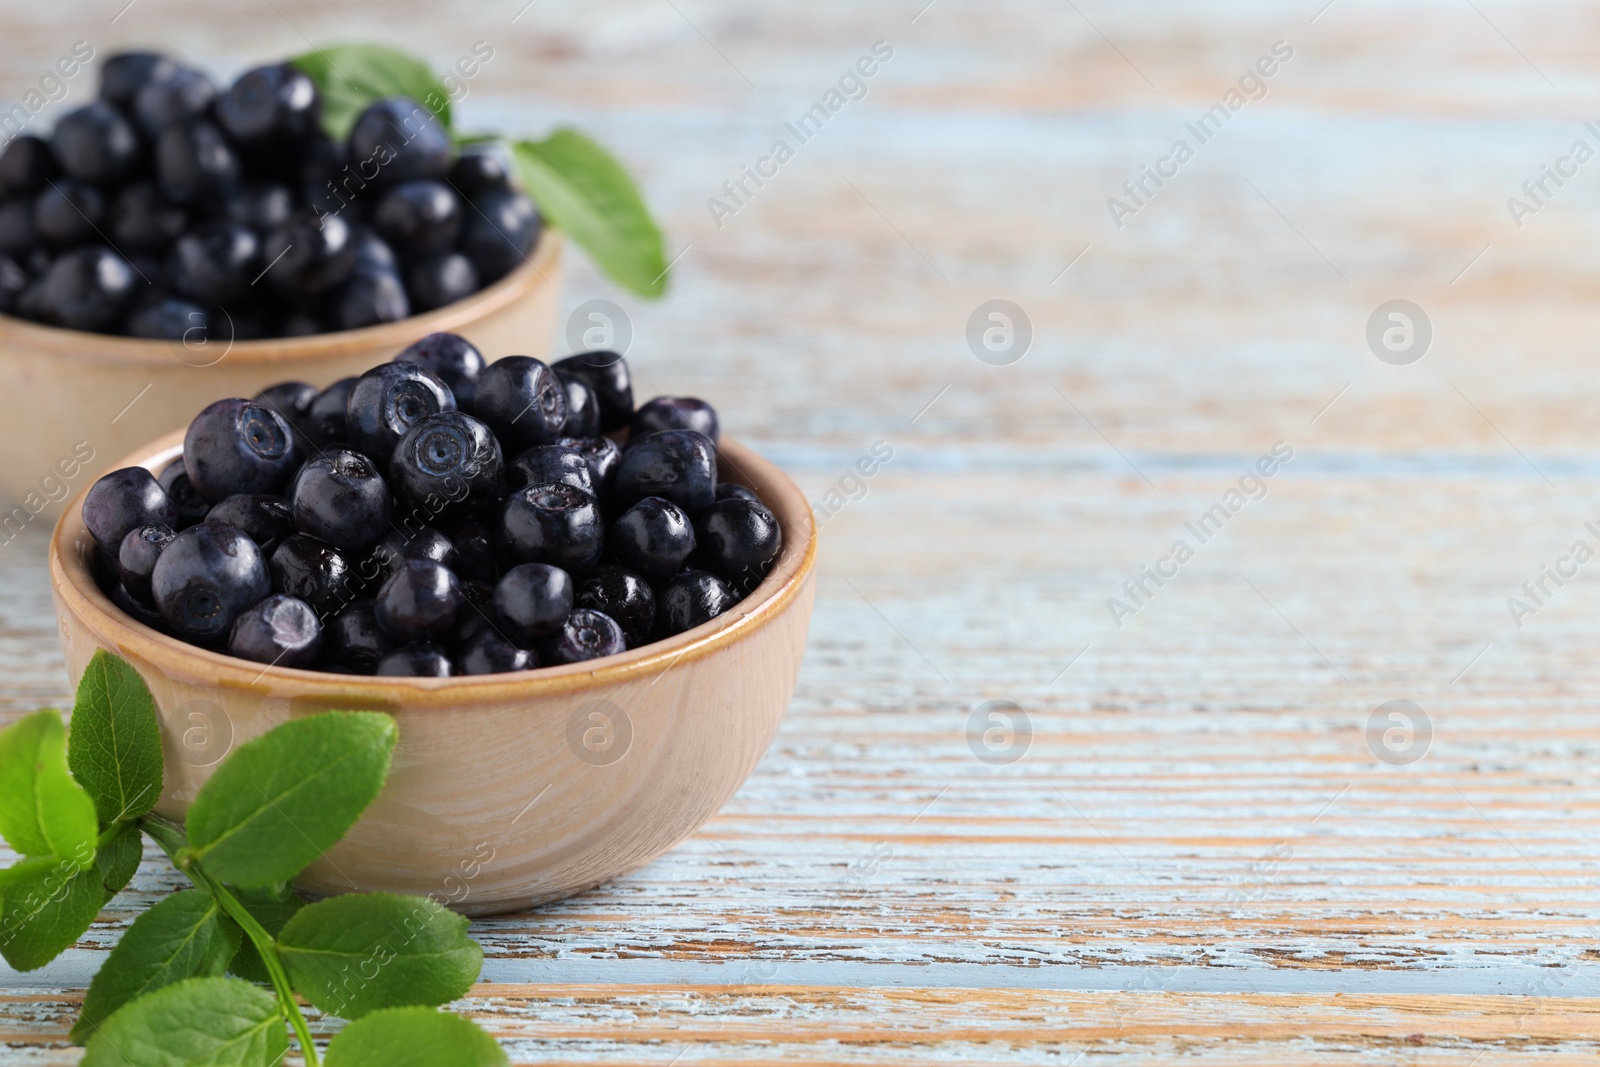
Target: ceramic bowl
x=506 y=790
x=71 y=403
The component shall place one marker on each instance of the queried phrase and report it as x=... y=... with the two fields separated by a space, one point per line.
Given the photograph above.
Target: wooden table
x=1216 y=845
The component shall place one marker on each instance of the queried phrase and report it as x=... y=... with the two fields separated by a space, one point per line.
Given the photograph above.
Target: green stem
x=172 y=843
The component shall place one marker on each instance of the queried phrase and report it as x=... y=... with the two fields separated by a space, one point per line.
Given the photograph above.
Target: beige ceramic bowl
x=506 y=790
x=66 y=395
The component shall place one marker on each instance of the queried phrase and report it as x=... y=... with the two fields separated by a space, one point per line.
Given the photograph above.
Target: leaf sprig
x=576 y=184
x=181 y=986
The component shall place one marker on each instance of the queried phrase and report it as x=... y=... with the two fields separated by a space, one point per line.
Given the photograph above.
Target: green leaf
x=184 y=936
x=355 y=954
x=272 y=915
x=412 y=1037
x=581 y=188
x=115 y=752
x=199 y=1022
x=352 y=76
x=280 y=801
x=43 y=812
x=118 y=860
x=47 y=908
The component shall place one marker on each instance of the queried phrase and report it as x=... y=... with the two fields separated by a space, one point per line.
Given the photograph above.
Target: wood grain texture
x=1198 y=857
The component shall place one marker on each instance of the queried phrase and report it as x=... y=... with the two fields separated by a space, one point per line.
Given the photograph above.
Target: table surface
x=1210 y=841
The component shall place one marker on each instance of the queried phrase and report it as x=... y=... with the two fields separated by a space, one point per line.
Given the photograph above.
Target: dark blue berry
x=206 y=578
x=583 y=410
x=325 y=417
x=453 y=359
x=373 y=253
x=25 y=165
x=739 y=541
x=555 y=524
x=475 y=552
x=418 y=601
x=96 y=144
x=606 y=374
x=623 y=595
x=187 y=502
x=215 y=262
x=195 y=164
x=138 y=610
x=440 y=279
x=523 y=402
x=265 y=518
x=122 y=501
x=500 y=229
x=125 y=73
x=692 y=598
x=19 y=236
x=673 y=413
x=314 y=571
x=68 y=212
x=271 y=107
x=136 y=558
x=480 y=167
x=489 y=653
x=447 y=465
x=387 y=401
x=368 y=298
x=653 y=538
x=586 y=634
x=732 y=491
x=289 y=399
x=420 y=660
x=424 y=543
x=340 y=497
x=476 y=614
x=262 y=206
x=532 y=600
x=171 y=319
x=238 y=446
x=175 y=95
x=13 y=280
x=308 y=254
x=603 y=455
x=543 y=464
x=403 y=139
x=89 y=289
x=280 y=631
x=680 y=465
x=417 y=218
x=352 y=640
x=143 y=220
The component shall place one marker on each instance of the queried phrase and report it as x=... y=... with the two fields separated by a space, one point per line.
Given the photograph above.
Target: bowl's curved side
x=506 y=790
x=71 y=403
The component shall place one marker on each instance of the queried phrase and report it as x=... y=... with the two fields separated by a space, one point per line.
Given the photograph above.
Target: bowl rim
x=78 y=595
x=536 y=270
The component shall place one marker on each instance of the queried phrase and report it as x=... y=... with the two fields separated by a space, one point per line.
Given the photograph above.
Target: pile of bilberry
x=376 y=526
x=172 y=208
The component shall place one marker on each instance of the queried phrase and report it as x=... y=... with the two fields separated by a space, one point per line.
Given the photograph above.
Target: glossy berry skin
x=453 y=359
x=476 y=614
x=417 y=218
x=418 y=601
x=215 y=262
x=532 y=600
x=314 y=571
x=19 y=235
x=692 y=598
x=523 y=402
x=739 y=541
x=420 y=660
x=543 y=464
x=447 y=465
x=269 y=106
x=238 y=446
x=89 y=289
x=68 y=212
x=176 y=95
x=206 y=578
x=280 y=631
x=623 y=595
x=262 y=206
x=353 y=642
x=195 y=164
x=122 y=501
x=136 y=609
x=440 y=279
x=136 y=558
x=499 y=232
x=387 y=401
x=673 y=413
x=141 y=219
x=603 y=456
x=265 y=518
x=607 y=376
x=403 y=138
x=583 y=410
x=25 y=165
x=653 y=538
x=187 y=502
x=489 y=653
x=680 y=465
x=125 y=73
x=402 y=544
x=475 y=553
x=554 y=524
x=309 y=255
x=96 y=144
x=289 y=399
x=171 y=319
x=479 y=168
x=731 y=491
x=370 y=297
x=325 y=417
x=339 y=497
x=586 y=634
